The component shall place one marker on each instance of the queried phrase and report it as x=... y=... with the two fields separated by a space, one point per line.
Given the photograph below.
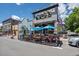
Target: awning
x=36 y=28
x=49 y=27
x=42 y=28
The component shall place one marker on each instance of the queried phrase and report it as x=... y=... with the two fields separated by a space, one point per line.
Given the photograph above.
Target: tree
x=72 y=21
x=25 y=31
x=0 y=30
x=59 y=28
x=77 y=30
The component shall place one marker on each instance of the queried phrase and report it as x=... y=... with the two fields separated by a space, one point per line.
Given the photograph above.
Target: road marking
x=58 y=47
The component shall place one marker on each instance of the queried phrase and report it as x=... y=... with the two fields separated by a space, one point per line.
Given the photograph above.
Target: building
x=10 y=26
x=24 y=28
x=46 y=16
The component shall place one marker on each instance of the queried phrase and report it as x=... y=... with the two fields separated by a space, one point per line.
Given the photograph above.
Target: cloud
x=74 y=5
x=0 y=24
x=15 y=17
x=66 y=9
x=61 y=8
x=18 y=4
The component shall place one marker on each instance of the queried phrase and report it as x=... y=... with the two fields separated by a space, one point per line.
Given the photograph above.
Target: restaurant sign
x=45 y=14
x=54 y=17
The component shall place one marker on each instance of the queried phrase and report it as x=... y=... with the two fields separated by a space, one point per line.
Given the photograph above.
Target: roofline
x=9 y=19
x=26 y=19
x=55 y=5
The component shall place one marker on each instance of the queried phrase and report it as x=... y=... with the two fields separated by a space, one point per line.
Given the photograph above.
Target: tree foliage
x=0 y=30
x=77 y=30
x=25 y=30
x=59 y=28
x=72 y=21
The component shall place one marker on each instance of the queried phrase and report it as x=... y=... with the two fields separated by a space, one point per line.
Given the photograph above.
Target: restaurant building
x=10 y=26
x=46 y=16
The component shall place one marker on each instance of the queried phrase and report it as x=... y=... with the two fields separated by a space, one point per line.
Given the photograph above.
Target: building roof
x=13 y=17
x=52 y=6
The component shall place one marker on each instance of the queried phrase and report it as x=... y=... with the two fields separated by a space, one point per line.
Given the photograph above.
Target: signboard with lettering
x=54 y=17
x=45 y=14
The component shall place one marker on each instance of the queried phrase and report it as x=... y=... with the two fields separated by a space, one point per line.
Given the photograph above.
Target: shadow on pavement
x=77 y=55
x=72 y=46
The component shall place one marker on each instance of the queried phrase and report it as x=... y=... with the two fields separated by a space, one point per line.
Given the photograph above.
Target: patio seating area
x=43 y=38
x=50 y=39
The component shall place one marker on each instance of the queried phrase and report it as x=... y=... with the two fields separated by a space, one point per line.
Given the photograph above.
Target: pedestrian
x=54 y=39
x=30 y=36
x=58 y=41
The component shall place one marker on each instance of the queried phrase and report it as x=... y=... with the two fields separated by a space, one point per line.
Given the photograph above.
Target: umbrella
x=36 y=29
x=32 y=29
x=49 y=27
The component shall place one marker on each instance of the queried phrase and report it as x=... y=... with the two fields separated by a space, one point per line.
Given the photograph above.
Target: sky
x=24 y=10
x=66 y=9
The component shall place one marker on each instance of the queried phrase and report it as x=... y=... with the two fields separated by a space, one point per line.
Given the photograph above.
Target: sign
x=54 y=17
x=45 y=14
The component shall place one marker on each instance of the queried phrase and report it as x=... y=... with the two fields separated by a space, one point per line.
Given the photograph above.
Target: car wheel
x=77 y=44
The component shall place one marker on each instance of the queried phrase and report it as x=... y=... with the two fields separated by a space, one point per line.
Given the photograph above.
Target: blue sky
x=24 y=10
x=21 y=10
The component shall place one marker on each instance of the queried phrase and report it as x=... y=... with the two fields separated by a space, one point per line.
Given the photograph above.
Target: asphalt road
x=13 y=47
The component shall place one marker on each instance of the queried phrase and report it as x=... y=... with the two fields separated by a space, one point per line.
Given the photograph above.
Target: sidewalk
x=64 y=39
x=8 y=37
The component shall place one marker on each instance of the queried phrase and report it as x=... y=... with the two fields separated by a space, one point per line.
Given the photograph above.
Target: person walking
x=58 y=41
x=54 y=40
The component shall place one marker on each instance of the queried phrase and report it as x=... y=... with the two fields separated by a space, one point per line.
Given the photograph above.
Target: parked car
x=74 y=40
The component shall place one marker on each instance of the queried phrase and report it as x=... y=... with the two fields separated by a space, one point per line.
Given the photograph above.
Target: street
x=14 y=47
